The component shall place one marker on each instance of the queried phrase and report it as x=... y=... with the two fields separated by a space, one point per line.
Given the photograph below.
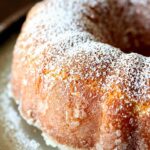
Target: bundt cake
x=71 y=81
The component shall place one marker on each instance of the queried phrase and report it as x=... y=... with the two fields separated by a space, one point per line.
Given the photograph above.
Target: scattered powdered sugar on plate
x=12 y=122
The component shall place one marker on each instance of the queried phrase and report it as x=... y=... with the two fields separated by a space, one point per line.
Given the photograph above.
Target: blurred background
x=12 y=15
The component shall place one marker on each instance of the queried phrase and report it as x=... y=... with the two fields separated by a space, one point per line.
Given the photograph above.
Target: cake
x=71 y=79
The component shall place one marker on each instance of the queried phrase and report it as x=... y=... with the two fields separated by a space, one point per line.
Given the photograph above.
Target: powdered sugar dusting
x=62 y=41
x=70 y=40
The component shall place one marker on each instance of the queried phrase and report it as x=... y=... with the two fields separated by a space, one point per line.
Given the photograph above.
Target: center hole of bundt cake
x=121 y=30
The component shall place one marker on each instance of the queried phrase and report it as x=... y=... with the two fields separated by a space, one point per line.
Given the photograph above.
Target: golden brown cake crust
x=79 y=91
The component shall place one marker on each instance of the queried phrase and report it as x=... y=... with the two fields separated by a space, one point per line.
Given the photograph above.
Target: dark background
x=9 y=7
x=12 y=15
